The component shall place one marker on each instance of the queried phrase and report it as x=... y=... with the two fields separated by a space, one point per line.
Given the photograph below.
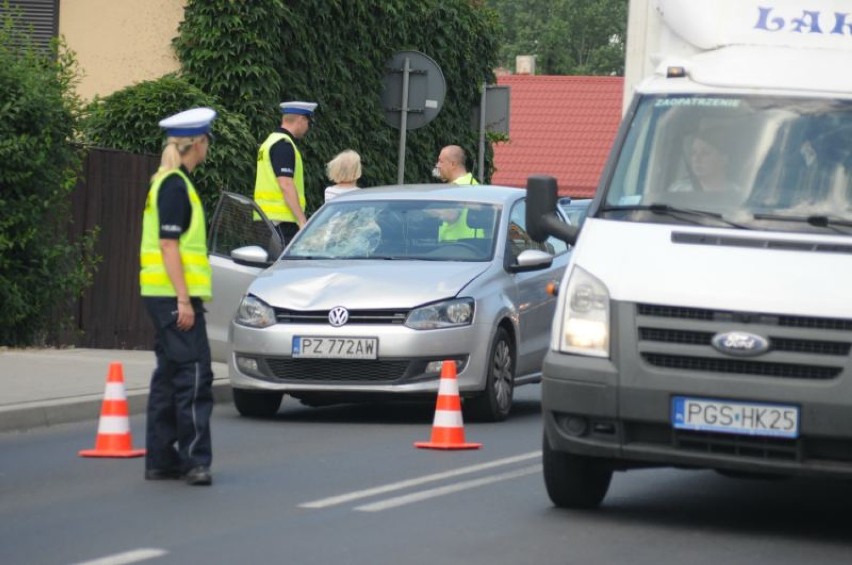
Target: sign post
x=403 y=121
x=480 y=169
x=491 y=115
x=413 y=94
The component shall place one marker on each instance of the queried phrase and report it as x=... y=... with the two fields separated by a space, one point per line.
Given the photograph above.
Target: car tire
x=257 y=404
x=574 y=481
x=495 y=403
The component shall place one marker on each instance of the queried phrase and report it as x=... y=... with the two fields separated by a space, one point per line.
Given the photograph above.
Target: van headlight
x=446 y=314
x=255 y=313
x=585 y=325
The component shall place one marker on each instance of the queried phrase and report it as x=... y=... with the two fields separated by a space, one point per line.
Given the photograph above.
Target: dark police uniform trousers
x=181 y=396
x=288 y=230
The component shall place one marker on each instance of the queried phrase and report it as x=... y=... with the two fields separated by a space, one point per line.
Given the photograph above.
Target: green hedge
x=128 y=119
x=41 y=272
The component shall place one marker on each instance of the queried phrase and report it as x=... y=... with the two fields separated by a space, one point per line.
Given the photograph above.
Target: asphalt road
x=344 y=485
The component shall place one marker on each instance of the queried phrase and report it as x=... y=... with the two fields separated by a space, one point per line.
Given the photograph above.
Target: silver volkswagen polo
x=380 y=288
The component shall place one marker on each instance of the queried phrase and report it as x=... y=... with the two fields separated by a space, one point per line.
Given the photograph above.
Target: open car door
x=242 y=242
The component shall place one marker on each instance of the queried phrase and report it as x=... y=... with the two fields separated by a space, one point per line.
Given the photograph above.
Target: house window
x=38 y=18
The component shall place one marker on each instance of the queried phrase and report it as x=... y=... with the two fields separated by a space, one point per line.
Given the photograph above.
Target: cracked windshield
x=742 y=162
x=399 y=230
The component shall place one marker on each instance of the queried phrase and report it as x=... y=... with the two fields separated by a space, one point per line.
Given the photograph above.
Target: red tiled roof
x=561 y=126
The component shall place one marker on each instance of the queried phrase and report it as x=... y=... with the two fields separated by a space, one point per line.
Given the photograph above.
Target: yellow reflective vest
x=267 y=192
x=153 y=279
x=466 y=179
x=458 y=229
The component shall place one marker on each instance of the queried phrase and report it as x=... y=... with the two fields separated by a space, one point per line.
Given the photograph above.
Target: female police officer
x=175 y=278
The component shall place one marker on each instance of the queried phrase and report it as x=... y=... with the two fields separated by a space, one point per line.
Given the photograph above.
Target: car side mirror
x=251 y=255
x=531 y=260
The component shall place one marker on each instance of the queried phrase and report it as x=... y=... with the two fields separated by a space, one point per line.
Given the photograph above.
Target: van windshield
x=781 y=164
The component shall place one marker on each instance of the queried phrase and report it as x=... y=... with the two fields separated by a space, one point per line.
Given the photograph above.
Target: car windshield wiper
x=665 y=209
x=432 y=259
x=817 y=220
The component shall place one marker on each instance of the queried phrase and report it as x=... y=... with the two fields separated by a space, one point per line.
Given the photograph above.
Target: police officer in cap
x=279 y=187
x=175 y=279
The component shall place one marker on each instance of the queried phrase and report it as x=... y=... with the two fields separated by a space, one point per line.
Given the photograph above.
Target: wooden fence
x=111 y=196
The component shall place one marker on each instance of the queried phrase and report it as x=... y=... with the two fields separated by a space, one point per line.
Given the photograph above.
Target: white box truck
x=705 y=319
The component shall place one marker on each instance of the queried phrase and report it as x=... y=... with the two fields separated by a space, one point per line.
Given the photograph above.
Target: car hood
x=322 y=285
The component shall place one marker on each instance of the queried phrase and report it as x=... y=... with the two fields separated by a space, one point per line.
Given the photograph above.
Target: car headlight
x=255 y=313
x=446 y=314
x=585 y=325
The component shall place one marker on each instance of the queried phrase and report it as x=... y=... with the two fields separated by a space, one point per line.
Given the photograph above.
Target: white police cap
x=189 y=123
x=296 y=107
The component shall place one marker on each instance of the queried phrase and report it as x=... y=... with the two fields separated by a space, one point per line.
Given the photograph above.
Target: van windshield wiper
x=673 y=211
x=817 y=220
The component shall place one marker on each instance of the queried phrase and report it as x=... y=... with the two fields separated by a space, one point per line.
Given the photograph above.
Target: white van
x=705 y=318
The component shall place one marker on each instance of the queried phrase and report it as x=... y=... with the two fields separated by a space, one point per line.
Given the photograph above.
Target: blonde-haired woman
x=175 y=279
x=344 y=170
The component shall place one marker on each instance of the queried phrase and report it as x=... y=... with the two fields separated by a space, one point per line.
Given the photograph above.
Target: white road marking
x=356 y=495
x=449 y=489
x=132 y=556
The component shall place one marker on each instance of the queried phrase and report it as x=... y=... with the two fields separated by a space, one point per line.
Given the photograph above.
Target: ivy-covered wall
x=243 y=58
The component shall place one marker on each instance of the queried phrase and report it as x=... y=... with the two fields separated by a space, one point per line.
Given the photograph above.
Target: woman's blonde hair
x=173 y=150
x=345 y=167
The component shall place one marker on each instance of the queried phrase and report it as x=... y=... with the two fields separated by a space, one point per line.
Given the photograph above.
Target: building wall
x=120 y=42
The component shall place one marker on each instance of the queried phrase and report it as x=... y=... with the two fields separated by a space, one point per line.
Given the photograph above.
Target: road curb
x=32 y=415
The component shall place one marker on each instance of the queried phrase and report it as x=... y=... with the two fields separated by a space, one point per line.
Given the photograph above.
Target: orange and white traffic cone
x=447 y=428
x=114 y=439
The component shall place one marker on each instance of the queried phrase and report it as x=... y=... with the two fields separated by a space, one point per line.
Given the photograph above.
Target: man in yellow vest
x=175 y=279
x=279 y=186
x=451 y=167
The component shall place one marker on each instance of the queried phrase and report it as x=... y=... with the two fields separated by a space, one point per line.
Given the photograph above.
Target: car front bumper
x=400 y=367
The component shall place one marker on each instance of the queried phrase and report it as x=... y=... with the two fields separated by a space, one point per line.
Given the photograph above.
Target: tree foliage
x=227 y=49
x=243 y=58
x=40 y=270
x=567 y=37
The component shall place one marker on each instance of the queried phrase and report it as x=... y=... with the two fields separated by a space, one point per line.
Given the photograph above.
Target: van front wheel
x=574 y=481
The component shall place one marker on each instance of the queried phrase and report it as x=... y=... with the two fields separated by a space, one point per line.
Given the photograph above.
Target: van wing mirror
x=542 y=219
